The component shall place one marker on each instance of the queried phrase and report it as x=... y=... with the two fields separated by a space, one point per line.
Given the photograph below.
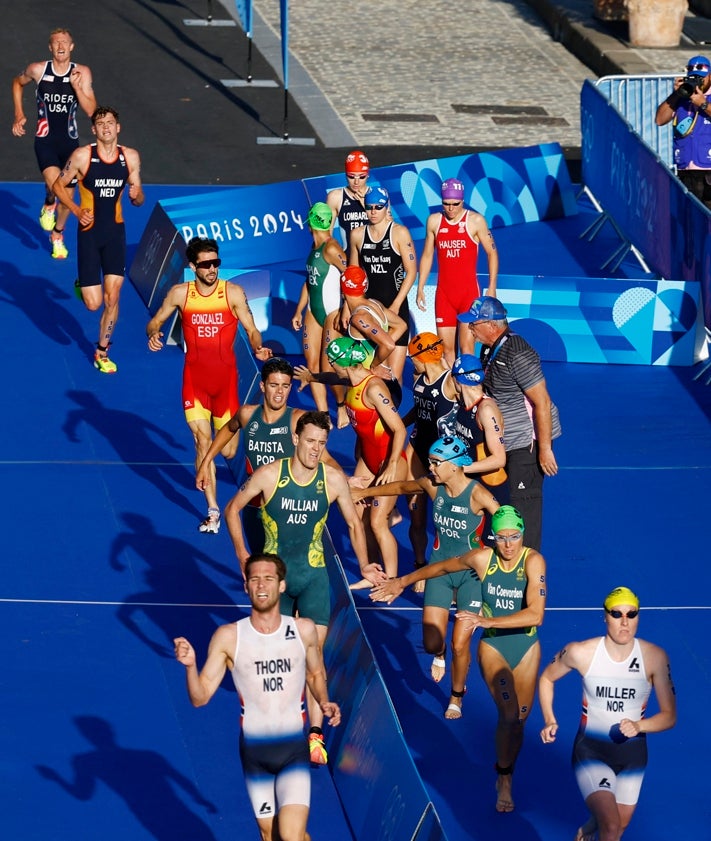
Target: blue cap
x=698 y=65
x=450 y=448
x=483 y=309
x=467 y=370
x=377 y=195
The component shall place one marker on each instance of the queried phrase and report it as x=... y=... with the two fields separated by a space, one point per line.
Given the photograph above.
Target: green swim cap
x=507 y=517
x=320 y=216
x=346 y=352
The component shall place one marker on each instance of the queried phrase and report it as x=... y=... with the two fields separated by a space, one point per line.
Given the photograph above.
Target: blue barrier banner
x=160 y=259
x=254 y=226
x=507 y=187
x=622 y=321
x=627 y=178
x=264 y=241
x=376 y=778
x=654 y=211
x=244 y=10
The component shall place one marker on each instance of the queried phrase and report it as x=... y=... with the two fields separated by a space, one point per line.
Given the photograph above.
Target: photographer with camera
x=689 y=106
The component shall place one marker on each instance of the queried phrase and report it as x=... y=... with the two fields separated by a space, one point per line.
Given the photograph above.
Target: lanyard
x=492 y=354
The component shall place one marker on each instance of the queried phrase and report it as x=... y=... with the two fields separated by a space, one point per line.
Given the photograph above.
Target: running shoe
x=59 y=249
x=48 y=216
x=211 y=523
x=317 y=750
x=104 y=364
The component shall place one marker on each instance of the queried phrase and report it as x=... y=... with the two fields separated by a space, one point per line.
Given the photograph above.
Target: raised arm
x=33 y=73
x=83 y=84
x=658 y=668
x=203 y=685
x=135 y=188
x=75 y=167
x=667 y=108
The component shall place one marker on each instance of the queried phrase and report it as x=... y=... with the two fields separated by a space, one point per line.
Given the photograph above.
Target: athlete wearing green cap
x=381 y=437
x=321 y=292
x=610 y=749
x=459 y=503
x=513 y=580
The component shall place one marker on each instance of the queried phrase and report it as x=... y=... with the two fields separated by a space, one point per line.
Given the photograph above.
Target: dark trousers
x=698 y=183
x=526 y=491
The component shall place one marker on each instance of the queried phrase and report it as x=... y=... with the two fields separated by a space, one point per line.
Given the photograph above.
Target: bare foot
x=454 y=710
x=504 y=798
x=342 y=418
x=588 y=831
x=438 y=668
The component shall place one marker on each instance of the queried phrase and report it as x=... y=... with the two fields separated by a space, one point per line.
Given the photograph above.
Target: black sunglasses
x=208 y=264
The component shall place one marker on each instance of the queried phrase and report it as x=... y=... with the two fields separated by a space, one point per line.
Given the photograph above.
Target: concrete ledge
x=572 y=24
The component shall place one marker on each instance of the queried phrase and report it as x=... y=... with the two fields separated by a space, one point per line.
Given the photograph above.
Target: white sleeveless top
x=269 y=673
x=613 y=691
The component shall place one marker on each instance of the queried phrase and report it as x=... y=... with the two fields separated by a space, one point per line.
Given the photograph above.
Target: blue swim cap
x=467 y=370
x=377 y=196
x=450 y=448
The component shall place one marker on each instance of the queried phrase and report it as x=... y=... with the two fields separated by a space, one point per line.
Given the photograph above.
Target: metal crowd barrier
x=637 y=99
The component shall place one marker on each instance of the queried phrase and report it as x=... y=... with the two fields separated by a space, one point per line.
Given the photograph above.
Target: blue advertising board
x=508 y=187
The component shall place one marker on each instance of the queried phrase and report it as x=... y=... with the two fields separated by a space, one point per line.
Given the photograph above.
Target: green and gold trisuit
x=294 y=517
x=503 y=593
